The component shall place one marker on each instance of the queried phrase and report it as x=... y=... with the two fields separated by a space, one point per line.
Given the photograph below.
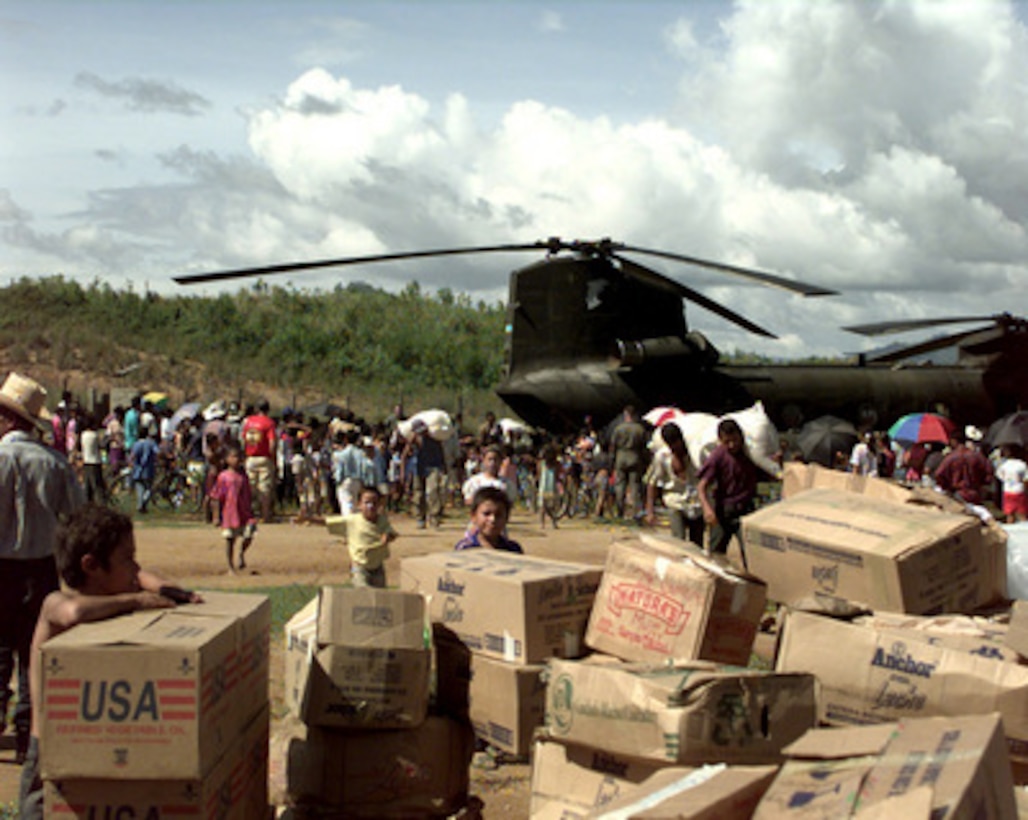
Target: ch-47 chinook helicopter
x=589 y=331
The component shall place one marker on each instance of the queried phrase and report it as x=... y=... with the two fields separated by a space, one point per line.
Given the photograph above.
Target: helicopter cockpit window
x=595 y=292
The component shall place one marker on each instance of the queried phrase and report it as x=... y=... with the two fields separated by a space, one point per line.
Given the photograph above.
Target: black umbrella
x=1011 y=429
x=821 y=438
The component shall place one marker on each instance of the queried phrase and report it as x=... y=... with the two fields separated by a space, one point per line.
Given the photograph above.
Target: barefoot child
x=490 y=509
x=232 y=491
x=368 y=534
x=96 y=556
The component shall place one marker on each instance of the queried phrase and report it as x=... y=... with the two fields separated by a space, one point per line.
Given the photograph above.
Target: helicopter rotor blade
x=293 y=267
x=926 y=347
x=903 y=326
x=762 y=277
x=651 y=277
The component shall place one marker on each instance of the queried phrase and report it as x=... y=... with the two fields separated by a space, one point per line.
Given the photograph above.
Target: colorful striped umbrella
x=919 y=427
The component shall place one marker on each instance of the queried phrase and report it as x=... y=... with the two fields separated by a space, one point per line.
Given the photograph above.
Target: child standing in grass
x=232 y=491
x=368 y=535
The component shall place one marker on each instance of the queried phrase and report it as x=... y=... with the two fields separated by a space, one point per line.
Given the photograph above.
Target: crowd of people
x=965 y=466
x=249 y=467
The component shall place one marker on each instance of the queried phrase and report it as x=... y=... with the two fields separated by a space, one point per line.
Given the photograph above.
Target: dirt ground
x=286 y=554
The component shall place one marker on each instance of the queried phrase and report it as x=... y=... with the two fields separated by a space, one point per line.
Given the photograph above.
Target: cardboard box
x=797 y=477
x=235 y=789
x=507 y=703
x=252 y=663
x=698 y=713
x=716 y=792
x=569 y=781
x=400 y=773
x=888 y=675
x=930 y=768
x=153 y=695
x=517 y=609
x=357 y=658
x=965 y=633
x=829 y=546
x=1017 y=631
x=662 y=601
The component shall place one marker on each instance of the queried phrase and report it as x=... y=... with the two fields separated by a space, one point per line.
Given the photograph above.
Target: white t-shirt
x=1012 y=473
x=90 y=442
x=862 y=460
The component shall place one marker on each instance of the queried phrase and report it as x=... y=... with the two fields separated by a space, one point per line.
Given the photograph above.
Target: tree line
x=354 y=334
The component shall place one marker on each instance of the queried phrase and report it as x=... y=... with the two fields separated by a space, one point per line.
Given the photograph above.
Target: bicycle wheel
x=169 y=492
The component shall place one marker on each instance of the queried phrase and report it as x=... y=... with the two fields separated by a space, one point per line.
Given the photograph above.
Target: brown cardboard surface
x=716 y=792
x=235 y=789
x=356 y=658
x=153 y=695
x=507 y=703
x=399 y=773
x=697 y=713
x=518 y=609
x=570 y=780
x=965 y=633
x=1017 y=632
x=888 y=675
x=661 y=600
x=798 y=477
x=832 y=546
x=939 y=768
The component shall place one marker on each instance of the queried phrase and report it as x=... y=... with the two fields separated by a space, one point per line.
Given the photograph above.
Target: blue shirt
x=144 y=460
x=470 y=541
x=36 y=486
x=347 y=463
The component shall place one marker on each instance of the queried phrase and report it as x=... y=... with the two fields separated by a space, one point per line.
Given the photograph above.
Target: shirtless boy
x=96 y=557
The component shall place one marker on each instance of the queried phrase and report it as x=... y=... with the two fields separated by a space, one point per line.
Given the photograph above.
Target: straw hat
x=25 y=398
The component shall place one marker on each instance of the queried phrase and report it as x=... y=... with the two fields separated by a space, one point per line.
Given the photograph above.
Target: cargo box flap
x=836 y=744
x=851 y=522
x=683 y=552
x=371 y=617
x=501 y=565
x=122 y=629
x=234 y=604
x=913 y=805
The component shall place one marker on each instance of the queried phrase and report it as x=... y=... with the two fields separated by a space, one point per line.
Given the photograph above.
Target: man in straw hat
x=37 y=486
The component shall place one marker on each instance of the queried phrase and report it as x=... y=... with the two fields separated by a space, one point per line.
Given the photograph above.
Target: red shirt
x=964 y=472
x=259 y=436
x=734 y=475
x=232 y=489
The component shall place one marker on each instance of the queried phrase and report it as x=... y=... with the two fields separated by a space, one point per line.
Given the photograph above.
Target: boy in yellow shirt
x=368 y=534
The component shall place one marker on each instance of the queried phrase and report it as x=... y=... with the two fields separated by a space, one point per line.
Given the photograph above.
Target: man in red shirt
x=965 y=471
x=259 y=441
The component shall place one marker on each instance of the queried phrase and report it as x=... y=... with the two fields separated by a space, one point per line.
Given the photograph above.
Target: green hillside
x=355 y=342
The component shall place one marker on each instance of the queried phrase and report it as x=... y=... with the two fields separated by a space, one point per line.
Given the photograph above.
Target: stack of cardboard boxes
x=159 y=713
x=357 y=677
x=513 y=613
x=679 y=740
x=675 y=629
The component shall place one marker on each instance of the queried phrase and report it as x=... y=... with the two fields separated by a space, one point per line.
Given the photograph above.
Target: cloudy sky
x=877 y=147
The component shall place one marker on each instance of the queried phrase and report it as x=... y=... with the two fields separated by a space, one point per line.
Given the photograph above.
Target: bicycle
x=170 y=490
